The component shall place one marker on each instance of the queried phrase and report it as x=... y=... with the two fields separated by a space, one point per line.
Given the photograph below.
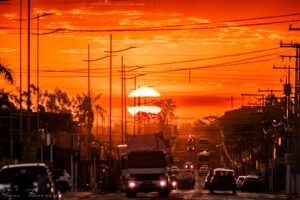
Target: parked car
x=207 y=180
x=203 y=170
x=186 y=180
x=239 y=182
x=223 y=179
x=62 y=179
x=27 y=180
x=252 y=183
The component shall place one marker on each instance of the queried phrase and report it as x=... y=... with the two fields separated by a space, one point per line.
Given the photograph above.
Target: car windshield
x=146 y=159
x=7 y=175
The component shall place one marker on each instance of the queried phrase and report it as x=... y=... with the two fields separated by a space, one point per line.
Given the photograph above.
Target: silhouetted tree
x=6 y=72
x=167 y=114
x=199 y=125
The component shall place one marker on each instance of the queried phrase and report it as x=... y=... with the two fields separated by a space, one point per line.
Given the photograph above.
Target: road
x=193 y=194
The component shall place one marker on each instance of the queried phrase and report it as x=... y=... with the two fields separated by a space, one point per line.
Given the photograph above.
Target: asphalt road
x=193 y=194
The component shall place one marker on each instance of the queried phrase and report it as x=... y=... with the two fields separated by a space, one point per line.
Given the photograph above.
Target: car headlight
x=131 y=183
x=163 y=180
x=163 y=183
x=174 y=183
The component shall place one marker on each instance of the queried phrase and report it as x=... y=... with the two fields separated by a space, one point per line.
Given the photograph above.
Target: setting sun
x=145 y=109
x=144 y=92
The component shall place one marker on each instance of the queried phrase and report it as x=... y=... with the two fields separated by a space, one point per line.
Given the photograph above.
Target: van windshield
x=147 y=159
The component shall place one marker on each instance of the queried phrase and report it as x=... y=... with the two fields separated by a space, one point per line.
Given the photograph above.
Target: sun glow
x=144 y=92
x=146 y=109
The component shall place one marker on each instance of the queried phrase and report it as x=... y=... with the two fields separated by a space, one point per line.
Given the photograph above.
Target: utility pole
x=122 y=102
x=20 y=57
x=90 y=102
x=125 y=102
x=110 y=101
x=294 y=138
x=134 y=107
x=37 y=85
x=254 y=95
x=134 y=98
x=38 y=74
x=28 y=81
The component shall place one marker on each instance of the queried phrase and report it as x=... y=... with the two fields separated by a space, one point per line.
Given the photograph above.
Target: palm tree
x=6 y=72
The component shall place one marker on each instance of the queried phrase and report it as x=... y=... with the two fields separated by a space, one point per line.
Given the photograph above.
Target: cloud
x=72 y=51
x=8 y=50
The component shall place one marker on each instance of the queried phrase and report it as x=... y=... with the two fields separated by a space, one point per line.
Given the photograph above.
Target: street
x=196 y=193
x=184 y=194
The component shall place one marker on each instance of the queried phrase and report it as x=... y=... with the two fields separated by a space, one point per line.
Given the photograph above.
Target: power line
x=83 y=70
x=203 y=59
x=224 y=64
x=180 y=27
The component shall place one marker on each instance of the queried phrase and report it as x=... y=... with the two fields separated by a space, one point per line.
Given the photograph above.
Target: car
x=62 y=179
x=188 y=166
x=176 y=160
x=239 y=182
x=207 y=180
x=190 y=148
x=203 y=170
x=28 y=180
x=223 y=179
x=185 y=180
x=252 y=183
x=174 y=170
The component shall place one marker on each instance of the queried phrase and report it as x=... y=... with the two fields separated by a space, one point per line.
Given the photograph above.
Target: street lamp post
x=92 y=181
x=20 y=90
x=110 y=92
x=122 y=102
x=38 y=75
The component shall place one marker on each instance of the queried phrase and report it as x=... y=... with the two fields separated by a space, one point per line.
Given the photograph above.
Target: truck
x=145 y=167
x=203 y=158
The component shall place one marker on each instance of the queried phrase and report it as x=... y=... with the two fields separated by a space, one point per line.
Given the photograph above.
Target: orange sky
x=198 y=30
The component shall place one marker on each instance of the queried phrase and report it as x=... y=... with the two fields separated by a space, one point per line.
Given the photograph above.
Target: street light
x=38 y=71
x=89 y=84
x=28 y=19
x=92 y=181
x=110 y=91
